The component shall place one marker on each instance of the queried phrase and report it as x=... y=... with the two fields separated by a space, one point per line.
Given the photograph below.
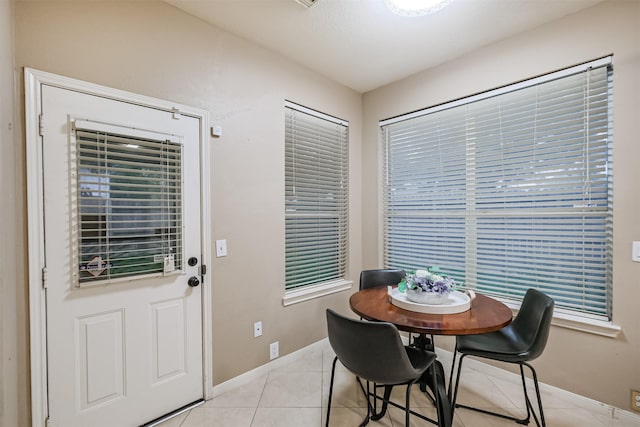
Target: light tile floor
x=295 y=393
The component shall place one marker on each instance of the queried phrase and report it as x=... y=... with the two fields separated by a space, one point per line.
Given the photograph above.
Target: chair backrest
x=533 y=322
x=382 y=277
x=370 y=350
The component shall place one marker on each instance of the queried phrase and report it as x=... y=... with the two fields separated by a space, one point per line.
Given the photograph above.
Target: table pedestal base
x=440 y=396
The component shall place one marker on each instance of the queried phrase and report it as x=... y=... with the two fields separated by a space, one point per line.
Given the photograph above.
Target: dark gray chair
x=520 y=342
x=373 y=351
x=381 y=277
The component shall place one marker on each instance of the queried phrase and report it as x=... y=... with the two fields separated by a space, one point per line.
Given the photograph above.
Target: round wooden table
x=485 y=315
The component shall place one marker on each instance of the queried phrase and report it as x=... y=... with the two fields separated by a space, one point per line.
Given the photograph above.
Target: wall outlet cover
x=635 y=400
x=274 y=350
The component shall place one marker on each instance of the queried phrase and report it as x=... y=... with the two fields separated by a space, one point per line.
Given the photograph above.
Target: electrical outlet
x=635 y=400
x=257 y=329
x=274 y=351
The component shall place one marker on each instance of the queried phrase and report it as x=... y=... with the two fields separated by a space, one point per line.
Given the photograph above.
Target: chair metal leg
x=366 y=396
x=528 y=404
x=455 y=389
x=537 y=387
x=386 y=401
x=333 y=372
x=435 y=372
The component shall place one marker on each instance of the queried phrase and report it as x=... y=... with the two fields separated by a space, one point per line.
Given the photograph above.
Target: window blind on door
x=128 y=199
x=316 y=172
x=510 y=190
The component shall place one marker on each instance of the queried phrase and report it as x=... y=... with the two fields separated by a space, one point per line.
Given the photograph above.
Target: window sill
x=315 y=291
x=565 y=319
x=591 y=326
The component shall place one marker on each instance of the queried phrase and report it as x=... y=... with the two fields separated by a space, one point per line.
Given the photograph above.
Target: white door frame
x=33 y=80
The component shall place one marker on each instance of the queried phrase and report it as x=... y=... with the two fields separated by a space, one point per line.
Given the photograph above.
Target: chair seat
x=503 y=345
x=420 y=359
x=394 y=374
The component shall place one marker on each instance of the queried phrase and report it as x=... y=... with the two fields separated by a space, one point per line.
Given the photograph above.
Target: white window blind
x=128 y=203
x=509 y=190
x=316 y=172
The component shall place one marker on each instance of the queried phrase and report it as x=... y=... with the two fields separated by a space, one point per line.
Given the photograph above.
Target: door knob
x=193 y=281
x=192 y=261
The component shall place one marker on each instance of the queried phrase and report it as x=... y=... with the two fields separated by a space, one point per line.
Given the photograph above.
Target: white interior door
x=122 y=230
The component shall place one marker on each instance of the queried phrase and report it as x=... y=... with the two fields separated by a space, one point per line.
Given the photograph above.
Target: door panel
x=123 y=348
x=168 y=326
x=100 y=361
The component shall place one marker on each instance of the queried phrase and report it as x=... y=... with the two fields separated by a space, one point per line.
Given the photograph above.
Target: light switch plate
x=635 y=252
x=257 y=329
x=221 y=248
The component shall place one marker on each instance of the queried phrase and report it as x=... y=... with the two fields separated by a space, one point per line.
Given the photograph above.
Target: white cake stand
x=454 y=302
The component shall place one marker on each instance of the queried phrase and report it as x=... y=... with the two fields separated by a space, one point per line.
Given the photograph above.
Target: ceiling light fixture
x=307 y=3
x=415 y=7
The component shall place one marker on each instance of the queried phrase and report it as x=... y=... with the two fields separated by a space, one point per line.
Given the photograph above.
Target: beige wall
x=154 y=49
x=8 y=344
x=601 y=368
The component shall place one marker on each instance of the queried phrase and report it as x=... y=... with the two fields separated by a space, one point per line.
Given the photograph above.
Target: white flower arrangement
x=429 y=280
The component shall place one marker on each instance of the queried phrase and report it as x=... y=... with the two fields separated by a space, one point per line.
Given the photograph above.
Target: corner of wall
x=8 y=341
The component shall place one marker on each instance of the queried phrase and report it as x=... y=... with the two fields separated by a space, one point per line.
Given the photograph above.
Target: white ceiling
x=362 y=45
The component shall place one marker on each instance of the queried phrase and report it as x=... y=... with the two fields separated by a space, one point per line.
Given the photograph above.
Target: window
x=128 y=203
x=316 y=172
x=509 y=189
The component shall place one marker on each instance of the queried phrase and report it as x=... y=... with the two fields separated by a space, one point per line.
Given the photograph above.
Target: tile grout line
x=264 y=386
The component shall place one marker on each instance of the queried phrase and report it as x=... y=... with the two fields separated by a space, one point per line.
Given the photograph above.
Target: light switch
x=635 y=252
x=221 y=248
x=257 y=329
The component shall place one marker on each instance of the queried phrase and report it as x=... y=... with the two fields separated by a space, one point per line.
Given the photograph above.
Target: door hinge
x=44 y=277
x=41 y=124
x=203 y=270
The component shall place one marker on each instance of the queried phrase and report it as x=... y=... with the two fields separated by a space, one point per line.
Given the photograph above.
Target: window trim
x=112 y=132
x=604 y=61
x=315 y=113
x=315 y=290
x=309 y=292
x=568 y=320
x=565 y=318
